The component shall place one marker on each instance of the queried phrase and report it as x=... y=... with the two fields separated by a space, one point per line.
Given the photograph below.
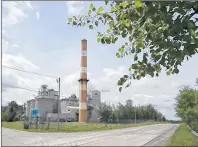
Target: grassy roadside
x=183 y=137
x=76 y=127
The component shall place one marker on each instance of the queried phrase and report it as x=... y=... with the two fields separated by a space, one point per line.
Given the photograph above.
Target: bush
x=3 y=116
x=194 y=126
x=10 y=117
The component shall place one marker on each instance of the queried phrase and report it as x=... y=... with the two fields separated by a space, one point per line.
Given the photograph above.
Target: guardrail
x=195 y=133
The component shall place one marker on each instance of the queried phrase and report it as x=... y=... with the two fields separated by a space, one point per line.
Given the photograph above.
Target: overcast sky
x=37 y=38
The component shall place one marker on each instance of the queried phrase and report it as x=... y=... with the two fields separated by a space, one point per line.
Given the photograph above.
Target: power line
x=19 y=87
x=29 y=72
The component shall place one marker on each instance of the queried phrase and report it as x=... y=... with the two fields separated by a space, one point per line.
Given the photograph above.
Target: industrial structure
x=46 y=102
x=49 y=105
x=83 y=83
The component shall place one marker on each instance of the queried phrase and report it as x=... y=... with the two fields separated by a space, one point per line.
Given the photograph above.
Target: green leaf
x=119 y=82
x=143 y=73
x=96 y=23
x=134 y=66
x=100 y=10
x=120 y=89
x=157 y=67
x=138 y=4
x=118 y=55
x=69 y=19
x=88 y=21
x=126 y=76
x=123 y=80
x=91 y=6
x=164 y=28
x=138 y=77
x=124 y=4
x=98 y=40
x=124 y=34
x=106 y=2
x=112 y=9
x=168 y=73
x=89 y=12
x=117 y=6
x=91 y=27
x=111 y=23
x=74 y=23
x=176 y=71
x=152 y=74
x=103 y=41
x=107 y=40
x=135 y=58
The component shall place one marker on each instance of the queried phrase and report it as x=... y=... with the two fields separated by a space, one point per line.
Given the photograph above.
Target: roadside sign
x=34 y=112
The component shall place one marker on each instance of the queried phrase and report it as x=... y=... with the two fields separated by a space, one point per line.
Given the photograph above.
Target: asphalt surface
x=136 y=136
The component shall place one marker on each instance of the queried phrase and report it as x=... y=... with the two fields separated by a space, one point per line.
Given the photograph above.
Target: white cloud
x=71 y=84
x=165 y=96
x=15 y=46
x=74 y=7
x=14 y=16
x=4 y=46
x=15 y=12
x=4 y=33
x=29 y=4
x=143 y=95
x=18 y=62
x=37 y=15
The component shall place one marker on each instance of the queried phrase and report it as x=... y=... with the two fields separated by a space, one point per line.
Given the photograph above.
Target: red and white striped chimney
x=83 y=83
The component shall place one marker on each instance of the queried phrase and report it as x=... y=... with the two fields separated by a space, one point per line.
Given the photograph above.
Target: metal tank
x=27 y=113
x=44 y=106
x=96 y=97
x=32 y=105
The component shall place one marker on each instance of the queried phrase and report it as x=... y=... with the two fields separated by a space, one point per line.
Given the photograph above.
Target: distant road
x=152 y=135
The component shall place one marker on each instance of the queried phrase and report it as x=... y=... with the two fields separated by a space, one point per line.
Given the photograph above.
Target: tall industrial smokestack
x=83 y=83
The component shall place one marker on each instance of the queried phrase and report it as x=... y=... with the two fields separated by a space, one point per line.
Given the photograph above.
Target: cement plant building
x=46 y=102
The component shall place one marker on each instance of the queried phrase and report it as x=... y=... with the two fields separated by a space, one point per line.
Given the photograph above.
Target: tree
x=187 y=106
x=105 y=112
x=126 y=113
x=163 y=118
x=3 y=116
x=12 y=111
x=159 y=35
x=89 y=110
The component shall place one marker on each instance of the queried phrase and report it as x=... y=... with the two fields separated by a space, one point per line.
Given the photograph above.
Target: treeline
x=126 y=112
x=187 y=106
x=11 y=112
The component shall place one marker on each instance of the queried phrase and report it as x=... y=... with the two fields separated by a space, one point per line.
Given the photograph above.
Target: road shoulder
x=162 y=139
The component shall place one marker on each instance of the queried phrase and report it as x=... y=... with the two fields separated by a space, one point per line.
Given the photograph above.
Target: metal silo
x=32 y=105
x=44 y=106
x=27 y=113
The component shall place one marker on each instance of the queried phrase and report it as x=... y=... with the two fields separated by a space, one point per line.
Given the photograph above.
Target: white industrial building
x=46 y=102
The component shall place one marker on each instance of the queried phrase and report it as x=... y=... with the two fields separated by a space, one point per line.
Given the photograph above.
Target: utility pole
x=24 y=109
x=135 y=114
x=58 y=103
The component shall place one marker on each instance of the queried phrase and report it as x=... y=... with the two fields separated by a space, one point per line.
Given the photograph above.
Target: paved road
x=137 y=136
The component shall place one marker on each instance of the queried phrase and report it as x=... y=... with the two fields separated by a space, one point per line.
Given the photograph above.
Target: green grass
x=183 y=137
x=74 y=126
